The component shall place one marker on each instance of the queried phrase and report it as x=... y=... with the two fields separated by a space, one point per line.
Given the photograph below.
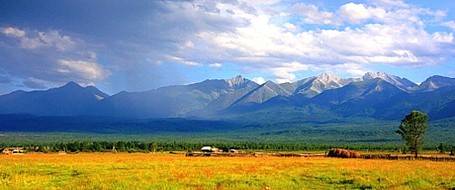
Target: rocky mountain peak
x=328 y=77
x=402 y=83
x=374 y=75
x=236 y=81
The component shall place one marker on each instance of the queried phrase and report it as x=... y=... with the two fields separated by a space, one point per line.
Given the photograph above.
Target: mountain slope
x=437 y=103
x=436 y=82
x=323 y=97
x=319 y=84
x=312 y=86
x=70 y=99
x=177 y=101
x=401 y=83
x=261 y=94
x=371 y=100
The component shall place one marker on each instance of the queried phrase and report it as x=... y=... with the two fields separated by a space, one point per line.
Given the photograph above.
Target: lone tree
x=412 y=130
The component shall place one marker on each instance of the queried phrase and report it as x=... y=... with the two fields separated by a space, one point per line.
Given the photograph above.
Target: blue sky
x=141 y=45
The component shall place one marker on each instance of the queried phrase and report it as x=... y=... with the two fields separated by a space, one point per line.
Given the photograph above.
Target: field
x=171 y=171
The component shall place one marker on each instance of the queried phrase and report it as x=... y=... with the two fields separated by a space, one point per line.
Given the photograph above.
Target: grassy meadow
x=175 y=171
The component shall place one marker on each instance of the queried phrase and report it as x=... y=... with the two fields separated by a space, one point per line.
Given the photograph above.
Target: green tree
x=412 y=130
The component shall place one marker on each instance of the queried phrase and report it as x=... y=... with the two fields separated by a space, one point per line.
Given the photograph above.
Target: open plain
x=175 y=171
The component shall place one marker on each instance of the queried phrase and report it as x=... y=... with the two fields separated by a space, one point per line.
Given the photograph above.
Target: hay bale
x=343 y=153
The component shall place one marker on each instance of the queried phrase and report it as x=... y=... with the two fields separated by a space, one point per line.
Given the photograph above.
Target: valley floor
x=169 y=171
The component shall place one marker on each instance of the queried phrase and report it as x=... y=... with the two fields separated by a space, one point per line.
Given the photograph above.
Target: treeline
x=138 y=146
x=446 y=148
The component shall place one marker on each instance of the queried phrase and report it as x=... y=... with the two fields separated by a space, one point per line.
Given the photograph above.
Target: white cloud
x=34 y=40
x=312 y=15
x=357 y=13
x=393 y=35
x=13 y=32
x=285 y=72
x=390 y=12
x=49 y=58
x=183 y=61
x=443 y=37
x=290 y=26
x=55 y=39
x=216 y=65
x=391 y=3
x=371 y=43
x=351 y=69
x=273 y=38
x=449 y=24
x=189 y=44
x=90 y=71
x=259 y=80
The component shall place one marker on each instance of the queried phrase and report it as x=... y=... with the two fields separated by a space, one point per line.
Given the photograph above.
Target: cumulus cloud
x=357 y=13
x=290 y=27
x=286 y=72
x=449 y=24
x=313 y=15
x=443 y=37
x=40 y=59
x=351 y=69
x=13 y=32
x=393 y=34
x=87 y=70
x=391 y=3
x=280 y=39
x=371 y=43
x=34 y=40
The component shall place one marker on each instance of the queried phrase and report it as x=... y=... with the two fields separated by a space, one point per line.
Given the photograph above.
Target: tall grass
x=165 y=171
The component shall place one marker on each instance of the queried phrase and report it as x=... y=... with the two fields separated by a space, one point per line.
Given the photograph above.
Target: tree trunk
x=416 y=148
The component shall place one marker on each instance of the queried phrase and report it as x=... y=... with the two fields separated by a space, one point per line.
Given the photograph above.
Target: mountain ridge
x=377 y=95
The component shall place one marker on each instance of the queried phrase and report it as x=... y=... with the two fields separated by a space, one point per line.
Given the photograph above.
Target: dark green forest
x=50 y=134
x=138 y=146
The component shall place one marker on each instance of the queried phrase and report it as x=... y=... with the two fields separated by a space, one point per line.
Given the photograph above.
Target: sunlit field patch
x=168 y=171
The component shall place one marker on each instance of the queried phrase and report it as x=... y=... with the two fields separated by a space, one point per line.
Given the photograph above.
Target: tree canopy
x=412 y=130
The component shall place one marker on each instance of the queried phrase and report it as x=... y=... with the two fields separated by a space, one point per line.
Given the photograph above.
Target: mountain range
x=375 y=95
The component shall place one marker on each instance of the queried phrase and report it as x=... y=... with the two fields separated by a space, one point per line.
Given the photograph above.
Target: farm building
x=13 y=150
x=210 y=149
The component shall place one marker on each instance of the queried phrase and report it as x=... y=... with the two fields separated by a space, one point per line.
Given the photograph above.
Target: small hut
x=13 y=150
x=209 y=150
x=206 y=149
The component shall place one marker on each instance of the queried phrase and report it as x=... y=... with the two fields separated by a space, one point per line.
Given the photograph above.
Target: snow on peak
x=328 y=77
x=373 y=75
x=401 y=83
x=317 y=85
x=236 y=81
x=384 y=76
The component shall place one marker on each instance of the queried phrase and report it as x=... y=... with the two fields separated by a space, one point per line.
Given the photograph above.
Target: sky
x=141 y=45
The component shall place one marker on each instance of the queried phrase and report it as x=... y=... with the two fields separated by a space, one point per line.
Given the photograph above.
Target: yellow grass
x=167 y=171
